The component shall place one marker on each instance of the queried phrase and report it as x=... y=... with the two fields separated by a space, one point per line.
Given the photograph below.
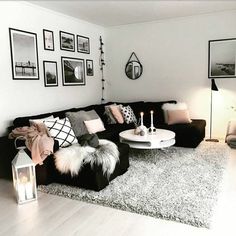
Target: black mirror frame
x=131 y=61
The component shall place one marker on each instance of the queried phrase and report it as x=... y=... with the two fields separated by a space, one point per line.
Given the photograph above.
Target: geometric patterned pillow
x=61 y=130
x=128 y=115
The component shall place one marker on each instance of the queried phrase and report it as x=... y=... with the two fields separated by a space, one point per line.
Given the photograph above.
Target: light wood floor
x=53 y=215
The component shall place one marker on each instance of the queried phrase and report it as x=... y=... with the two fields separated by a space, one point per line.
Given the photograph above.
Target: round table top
x=160 y=135
x=161 y=139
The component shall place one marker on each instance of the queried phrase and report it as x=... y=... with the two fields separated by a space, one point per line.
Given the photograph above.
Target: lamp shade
x=24 y=179
x=213 y=85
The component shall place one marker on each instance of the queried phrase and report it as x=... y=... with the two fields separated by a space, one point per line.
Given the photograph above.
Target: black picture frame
x=65 y=43
x=73 y=71
x=50 y=73
x=222 y=58
x=48 y=40
x=24 y=54
x=89 y=68
x=83 y=44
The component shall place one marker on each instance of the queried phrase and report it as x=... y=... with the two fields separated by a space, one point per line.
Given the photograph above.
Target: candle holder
x=24 y=178
x=152 y=129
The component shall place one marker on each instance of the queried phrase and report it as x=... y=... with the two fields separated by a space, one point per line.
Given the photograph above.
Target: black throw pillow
x=89 y=140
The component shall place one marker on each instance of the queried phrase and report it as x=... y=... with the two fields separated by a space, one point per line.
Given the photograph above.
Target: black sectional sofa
x=187 y=135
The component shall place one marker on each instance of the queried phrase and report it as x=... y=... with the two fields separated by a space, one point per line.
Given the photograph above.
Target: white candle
x=141 y=114
x=21 y=192
x=29 y=190
x=151 y=118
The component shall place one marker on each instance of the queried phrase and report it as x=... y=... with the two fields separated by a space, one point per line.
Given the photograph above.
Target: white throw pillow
x=94 y=126
x=172 y=106
x=61 y=130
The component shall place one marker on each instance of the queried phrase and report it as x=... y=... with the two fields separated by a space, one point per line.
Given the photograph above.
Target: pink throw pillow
x=94 y=126
x=178 y=117
x=115 y=110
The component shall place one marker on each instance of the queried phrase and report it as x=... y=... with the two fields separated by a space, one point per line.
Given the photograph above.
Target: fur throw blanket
x=71 y=159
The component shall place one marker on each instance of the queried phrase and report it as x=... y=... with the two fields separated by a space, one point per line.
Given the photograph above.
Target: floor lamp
x=213 y=88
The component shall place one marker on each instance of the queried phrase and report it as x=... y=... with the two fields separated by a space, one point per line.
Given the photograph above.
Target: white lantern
x=24 y=179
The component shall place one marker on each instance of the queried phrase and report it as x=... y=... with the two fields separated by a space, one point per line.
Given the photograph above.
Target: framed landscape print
x=48 y=40
x=24 y=55
x=73 y=71
x=67 y=41
x=222 y=58
x=83 y=44
x=50 y=73
x=89 y=67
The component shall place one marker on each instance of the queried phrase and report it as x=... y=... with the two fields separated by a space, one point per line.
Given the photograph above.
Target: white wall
x=174 y=54
x=21 y=98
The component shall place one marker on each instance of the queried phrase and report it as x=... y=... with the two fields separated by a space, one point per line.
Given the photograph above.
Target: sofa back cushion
x=137 y=107
x=77 y=120
x=24 y=121
x=158 y=114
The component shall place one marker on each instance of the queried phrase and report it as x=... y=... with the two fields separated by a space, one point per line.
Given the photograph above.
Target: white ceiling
x=113 y=13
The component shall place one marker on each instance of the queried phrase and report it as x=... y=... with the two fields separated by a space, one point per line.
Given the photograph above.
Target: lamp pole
x=213 y=88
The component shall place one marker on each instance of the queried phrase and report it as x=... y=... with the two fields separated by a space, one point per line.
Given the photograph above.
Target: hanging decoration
x=102 y=64
x=133 y=68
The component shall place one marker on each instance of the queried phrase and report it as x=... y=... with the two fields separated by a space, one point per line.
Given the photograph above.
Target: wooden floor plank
x=54 y=215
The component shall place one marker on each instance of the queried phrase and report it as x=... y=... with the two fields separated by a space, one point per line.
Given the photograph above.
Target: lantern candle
x=151 y=118
x=141 y=115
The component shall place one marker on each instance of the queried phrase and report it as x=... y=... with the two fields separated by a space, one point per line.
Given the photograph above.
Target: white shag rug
x=179 y=184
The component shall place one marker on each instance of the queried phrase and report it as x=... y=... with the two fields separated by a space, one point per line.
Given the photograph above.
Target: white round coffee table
x=161 y=139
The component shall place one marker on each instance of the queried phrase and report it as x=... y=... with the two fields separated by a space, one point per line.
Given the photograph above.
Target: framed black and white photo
x=73 y=71
x=48 y=40
x=24 y=55
x=50 y=73
x=83 y=44
x=89 y=67
x=67 y=41
x=221 y=58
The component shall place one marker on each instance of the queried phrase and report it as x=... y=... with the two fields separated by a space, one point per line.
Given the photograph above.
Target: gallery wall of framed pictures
x=25 y=62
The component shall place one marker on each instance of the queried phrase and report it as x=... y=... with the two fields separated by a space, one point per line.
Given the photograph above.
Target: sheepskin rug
x=71 y=159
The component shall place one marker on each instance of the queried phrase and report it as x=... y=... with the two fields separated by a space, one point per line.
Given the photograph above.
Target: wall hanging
x=89 y=67
x=24 y=55
x=133 y=68
x=73 y=71
x=83 y=44
x=50 y=73
x=67 y=41
x=221 y=58
x=102 y=64
x=48 y=40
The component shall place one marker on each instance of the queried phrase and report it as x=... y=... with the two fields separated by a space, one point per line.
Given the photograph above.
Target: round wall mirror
x=133 y=68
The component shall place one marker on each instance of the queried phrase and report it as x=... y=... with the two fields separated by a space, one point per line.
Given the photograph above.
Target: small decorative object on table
x=152 y=129
x=24 y=179
x=142 y=127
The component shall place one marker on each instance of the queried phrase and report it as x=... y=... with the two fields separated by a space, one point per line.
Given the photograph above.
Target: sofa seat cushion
x=112 y=131
x=187 y=135
x=93 y=178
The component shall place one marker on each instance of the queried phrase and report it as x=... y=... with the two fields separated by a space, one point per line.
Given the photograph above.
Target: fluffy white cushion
x=37 y=121
x=94 y=126
x=62 y=131
x=172 y=106
x=71 y=159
